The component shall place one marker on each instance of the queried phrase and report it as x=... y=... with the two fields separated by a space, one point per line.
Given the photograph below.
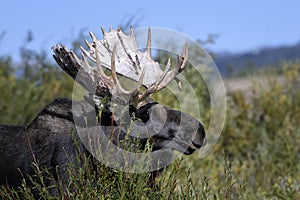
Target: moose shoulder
x=49 y=141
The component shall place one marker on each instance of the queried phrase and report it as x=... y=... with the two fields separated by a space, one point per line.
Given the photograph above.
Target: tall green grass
x=86 y=182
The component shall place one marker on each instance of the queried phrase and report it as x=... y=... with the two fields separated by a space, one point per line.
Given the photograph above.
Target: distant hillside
x=232 y=64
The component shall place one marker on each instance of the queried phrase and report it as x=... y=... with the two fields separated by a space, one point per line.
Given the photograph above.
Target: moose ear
x=142 y=113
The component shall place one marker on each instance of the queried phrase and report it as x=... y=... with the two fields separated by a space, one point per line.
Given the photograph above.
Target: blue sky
x=241 y=25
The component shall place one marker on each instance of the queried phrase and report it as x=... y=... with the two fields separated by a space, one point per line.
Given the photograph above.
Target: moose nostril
x=200 y=144
x=197 y=145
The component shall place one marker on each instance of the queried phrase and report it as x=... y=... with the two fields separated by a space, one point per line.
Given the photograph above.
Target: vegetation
x=261 y=136
x=256 y=158
x=29 y=86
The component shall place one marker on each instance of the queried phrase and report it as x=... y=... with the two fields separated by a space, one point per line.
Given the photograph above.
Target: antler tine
x=131 y=32
x=73 y=55
x=94 y=38
x=113 y=65
x=148 y=49
x=103 y=31
x=64 y=47
x=182 y=60
x=88 y=44
x=100 y=71
x=185 y=57
x=141 y=78
x=86 y=53
x=85 y=63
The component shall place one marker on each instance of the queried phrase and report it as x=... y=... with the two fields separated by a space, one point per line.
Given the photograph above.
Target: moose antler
x=120 y=54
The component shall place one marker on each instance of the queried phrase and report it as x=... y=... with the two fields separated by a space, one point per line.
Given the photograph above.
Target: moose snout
x=198 y=141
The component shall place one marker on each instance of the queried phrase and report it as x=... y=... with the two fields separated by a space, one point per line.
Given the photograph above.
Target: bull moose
x=48 y=138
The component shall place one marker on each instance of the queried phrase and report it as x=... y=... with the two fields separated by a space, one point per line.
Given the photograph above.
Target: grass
x=86 y=183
